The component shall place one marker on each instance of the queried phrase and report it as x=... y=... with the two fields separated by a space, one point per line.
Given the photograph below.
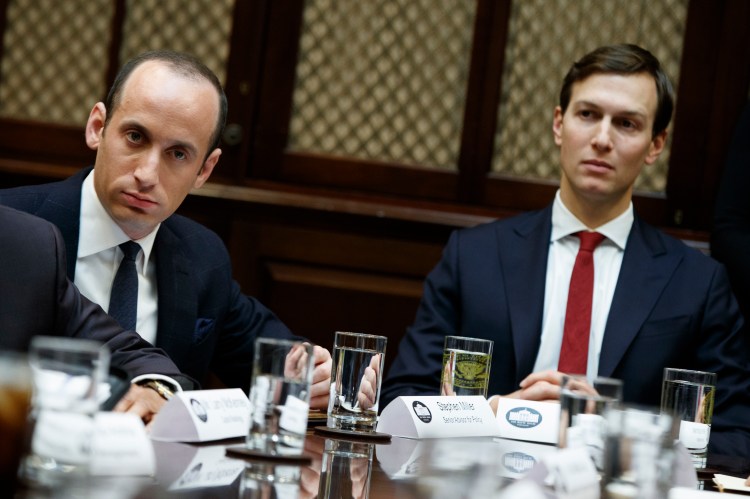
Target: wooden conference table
x=337 y=468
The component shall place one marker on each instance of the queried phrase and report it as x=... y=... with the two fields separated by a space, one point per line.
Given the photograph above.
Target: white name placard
x=528 y=420
x=121 y=446
x=203 y=415
x=438 y=417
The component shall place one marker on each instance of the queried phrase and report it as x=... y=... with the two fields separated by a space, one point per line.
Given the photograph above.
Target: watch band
x=161 y=388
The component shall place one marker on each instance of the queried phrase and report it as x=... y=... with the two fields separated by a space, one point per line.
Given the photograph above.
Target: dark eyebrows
x=627 y=114
x=134 y=125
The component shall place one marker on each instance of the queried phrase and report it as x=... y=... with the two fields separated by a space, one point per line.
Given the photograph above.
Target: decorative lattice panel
x=55 y=59
x=545 y=37
x=200 y=27
x=383 y=80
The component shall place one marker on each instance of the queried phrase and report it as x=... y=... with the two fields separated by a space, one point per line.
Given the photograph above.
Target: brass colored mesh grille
x=200 y=27
x=55 y=59
x=545 y=37
x=56 y=52
x=383 y=80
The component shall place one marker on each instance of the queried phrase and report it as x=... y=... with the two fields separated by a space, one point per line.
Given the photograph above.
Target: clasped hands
x=541 y=386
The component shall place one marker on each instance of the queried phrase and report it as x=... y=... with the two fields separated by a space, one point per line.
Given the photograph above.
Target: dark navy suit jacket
x=672 y=307
x=37 y=298
x=205 y=323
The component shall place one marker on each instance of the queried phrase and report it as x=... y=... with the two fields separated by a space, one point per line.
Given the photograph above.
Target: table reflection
x=401 y=468
x=338 y=469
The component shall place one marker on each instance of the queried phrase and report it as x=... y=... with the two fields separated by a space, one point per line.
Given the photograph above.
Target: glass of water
x=67 y=375
x=639 y=455
x=466 y=366
x=582 y=405
x=280 y=396
x=689 y=397
x=356 y=376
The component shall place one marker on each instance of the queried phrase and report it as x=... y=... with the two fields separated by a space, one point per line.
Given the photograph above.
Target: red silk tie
x=575 y=345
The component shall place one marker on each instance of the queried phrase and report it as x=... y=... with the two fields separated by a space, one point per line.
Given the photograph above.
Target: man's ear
x=557 y=124
x=656 y=147
x=207 y=168
x=95 y=125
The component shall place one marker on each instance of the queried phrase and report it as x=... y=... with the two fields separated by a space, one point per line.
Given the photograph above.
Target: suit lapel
x=523 y=255
x=62 y=207
x=646 y=269
x=177 y=300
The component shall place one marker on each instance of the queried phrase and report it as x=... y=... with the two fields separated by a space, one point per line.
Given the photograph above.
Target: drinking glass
x=466 y=366
x=68 y=375
x=689 y=397
x=582 y=406
x=356 y=376
x=638 y=455
x=280 y=396
x=15 y=401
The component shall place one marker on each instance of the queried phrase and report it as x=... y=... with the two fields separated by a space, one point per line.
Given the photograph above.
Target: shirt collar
x=564 y=223
x=101 y=231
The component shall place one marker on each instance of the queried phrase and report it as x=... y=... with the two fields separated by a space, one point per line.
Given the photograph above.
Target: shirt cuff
x=160 y=377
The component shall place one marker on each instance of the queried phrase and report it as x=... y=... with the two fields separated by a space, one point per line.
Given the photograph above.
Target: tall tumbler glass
x=280 y=396
x=639 y=454
x=689 y=397
x=582 y=405
x=68 y=375
x=356 y=376
x=466 y=366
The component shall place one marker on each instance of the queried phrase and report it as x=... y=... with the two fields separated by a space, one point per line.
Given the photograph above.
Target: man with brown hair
x=652 y=302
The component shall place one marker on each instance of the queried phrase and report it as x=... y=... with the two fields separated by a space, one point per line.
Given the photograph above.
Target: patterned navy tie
x=123 y=302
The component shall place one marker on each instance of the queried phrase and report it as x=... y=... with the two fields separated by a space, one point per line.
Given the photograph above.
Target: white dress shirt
x=99 y=255
x=563 y=248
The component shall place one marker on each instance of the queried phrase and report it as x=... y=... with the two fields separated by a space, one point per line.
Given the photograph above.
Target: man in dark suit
x=730 y=238
x=656 y=302
x=38 y=299
x=156 y=138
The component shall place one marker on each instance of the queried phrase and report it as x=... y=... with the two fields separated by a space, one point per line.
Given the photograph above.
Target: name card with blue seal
x=438 y=417
x=203 y=416
x=528 y=420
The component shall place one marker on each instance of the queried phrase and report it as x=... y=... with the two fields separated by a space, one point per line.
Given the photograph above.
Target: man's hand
x=369 y=383
x=446 y=387
x=541 y=386
x=141 y=401
x=321 y=380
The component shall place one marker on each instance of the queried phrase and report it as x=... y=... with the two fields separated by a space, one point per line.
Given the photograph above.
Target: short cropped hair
x=185 y=64
x=624 y=59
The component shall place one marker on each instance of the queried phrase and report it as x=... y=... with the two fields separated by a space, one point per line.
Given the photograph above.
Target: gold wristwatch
x=161 y=388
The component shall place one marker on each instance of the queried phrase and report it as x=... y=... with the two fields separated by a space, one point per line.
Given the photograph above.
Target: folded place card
x=438 y=417
x=528 y=420
x=121 y=446
x=202 y=416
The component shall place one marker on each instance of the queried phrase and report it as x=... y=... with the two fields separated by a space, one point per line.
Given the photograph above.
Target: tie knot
x=130 y=249
x=589 y=240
